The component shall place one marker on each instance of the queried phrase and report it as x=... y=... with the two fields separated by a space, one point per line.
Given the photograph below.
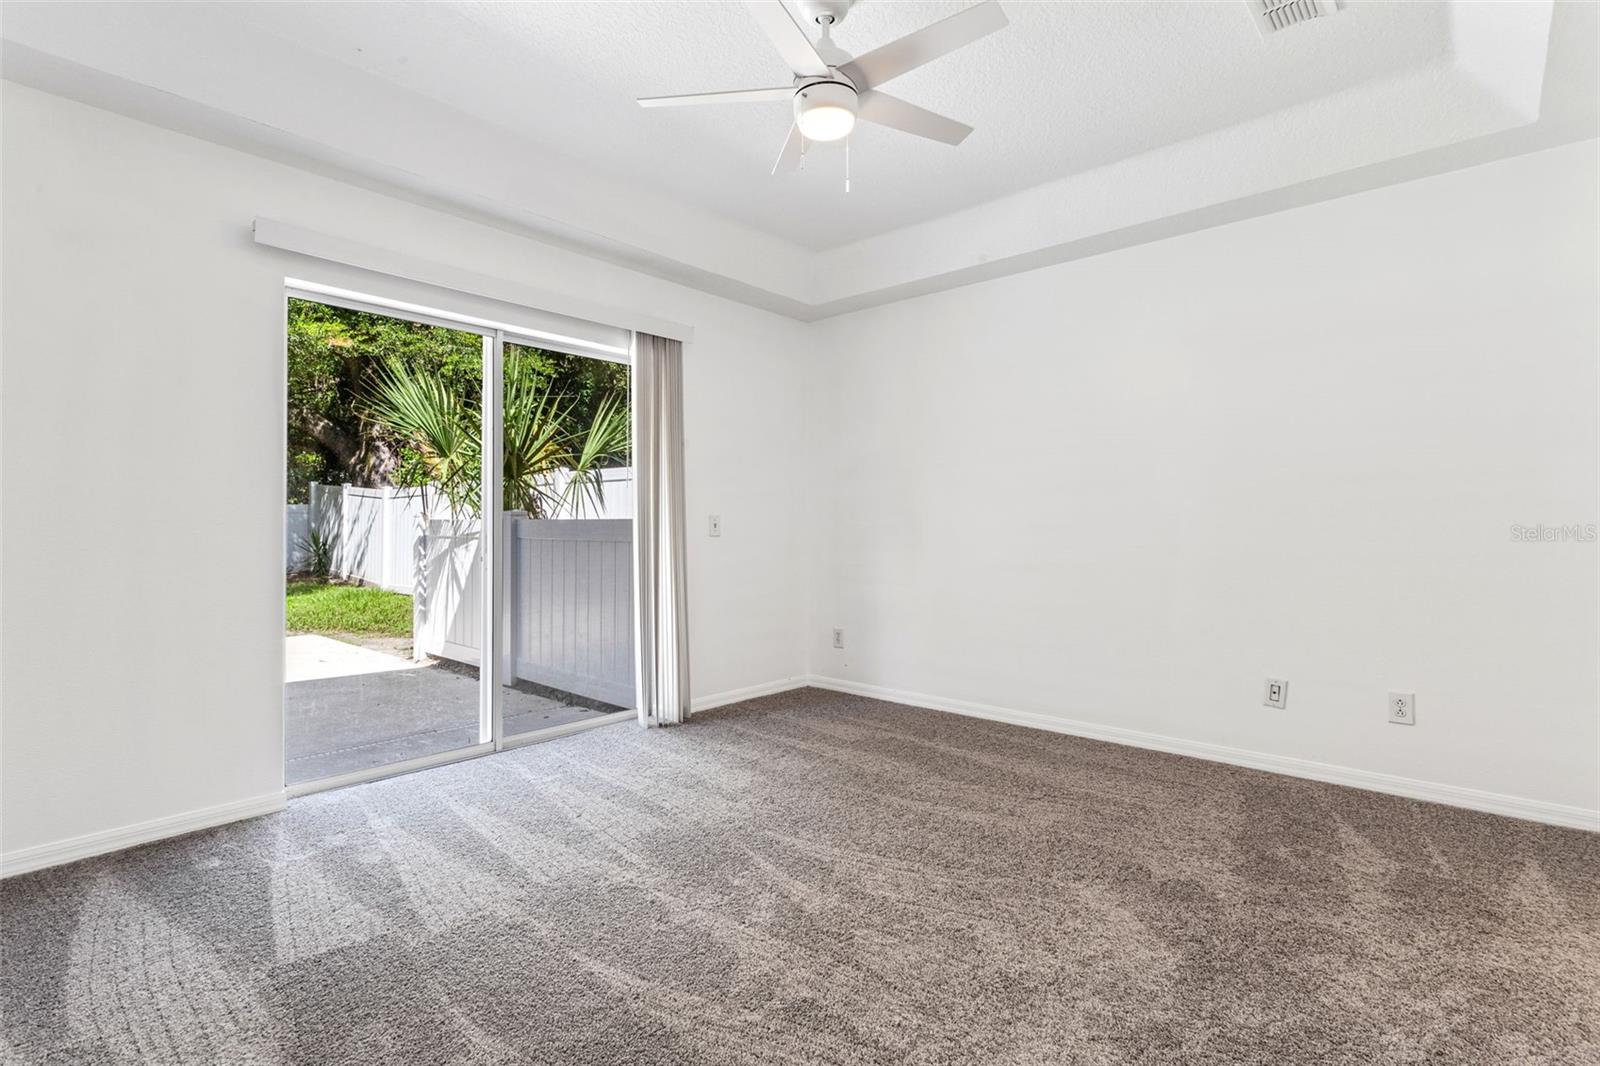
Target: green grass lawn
x=318 y=607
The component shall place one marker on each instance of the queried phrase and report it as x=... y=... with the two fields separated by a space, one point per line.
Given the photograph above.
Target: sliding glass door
x=458 y=540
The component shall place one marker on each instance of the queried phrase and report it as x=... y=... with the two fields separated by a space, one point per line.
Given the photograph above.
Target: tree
x=334 y=355
x=552 y=458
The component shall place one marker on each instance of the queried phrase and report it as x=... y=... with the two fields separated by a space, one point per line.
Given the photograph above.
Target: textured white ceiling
x=1066 y=87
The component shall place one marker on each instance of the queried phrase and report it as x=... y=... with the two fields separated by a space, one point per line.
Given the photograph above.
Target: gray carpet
x=814 y=878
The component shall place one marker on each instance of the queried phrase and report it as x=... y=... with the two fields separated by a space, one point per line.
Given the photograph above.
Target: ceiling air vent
x=1274 y=15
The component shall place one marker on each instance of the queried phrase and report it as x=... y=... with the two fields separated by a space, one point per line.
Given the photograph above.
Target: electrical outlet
x=838 y=638
x=1276 y=693
x=1403 y=708
x=716 y=525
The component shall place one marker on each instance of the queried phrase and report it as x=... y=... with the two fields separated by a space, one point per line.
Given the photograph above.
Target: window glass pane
x=383 y=605
x=568 y=499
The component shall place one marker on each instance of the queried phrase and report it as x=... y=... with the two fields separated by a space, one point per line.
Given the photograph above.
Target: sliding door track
x=445 y=758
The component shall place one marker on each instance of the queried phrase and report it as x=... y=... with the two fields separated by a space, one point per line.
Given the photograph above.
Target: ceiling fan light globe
x=827 y=123
x=825 y=111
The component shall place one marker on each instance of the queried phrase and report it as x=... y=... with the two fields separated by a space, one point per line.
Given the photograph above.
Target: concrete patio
x=385 y=709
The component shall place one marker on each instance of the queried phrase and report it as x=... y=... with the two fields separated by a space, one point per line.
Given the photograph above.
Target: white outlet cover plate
x=1403 y=708
x=1275 y=693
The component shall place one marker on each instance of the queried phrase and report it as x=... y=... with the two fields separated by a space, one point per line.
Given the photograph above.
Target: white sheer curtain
x=659 y=580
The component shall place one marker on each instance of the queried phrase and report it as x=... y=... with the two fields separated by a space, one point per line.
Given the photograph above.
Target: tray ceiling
x=1092 y=119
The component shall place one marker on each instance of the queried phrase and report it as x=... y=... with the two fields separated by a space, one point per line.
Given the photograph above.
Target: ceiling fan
x=831 y=90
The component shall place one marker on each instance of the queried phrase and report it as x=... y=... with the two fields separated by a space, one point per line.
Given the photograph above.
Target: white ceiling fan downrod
x=826 y=46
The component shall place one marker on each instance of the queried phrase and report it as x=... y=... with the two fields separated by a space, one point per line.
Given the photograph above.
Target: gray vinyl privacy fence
x=568 y=608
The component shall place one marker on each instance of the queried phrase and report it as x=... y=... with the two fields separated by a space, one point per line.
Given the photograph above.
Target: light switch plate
x=716 y=525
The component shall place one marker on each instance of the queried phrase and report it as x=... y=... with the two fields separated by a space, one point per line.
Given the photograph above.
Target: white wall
x=1290 y=446
x=141 y=672
x=1125 y=490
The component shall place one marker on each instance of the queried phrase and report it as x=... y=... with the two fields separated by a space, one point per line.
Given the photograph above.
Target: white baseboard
x=736 y=695
x=1451 y=795
x=41 y=856
x=24 y=860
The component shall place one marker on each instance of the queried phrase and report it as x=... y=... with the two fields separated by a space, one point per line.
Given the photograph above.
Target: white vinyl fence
x=374 y=532
x=296 y=533
x=447 y=610
x=568 y=608
x=615 y=491
x=569 y=581
x=570 y=605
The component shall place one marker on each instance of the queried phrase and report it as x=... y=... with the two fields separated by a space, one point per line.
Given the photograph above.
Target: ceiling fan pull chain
x=847 y=164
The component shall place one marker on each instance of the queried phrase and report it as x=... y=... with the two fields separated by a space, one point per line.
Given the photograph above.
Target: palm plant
x=317 y=548
x=543 y=441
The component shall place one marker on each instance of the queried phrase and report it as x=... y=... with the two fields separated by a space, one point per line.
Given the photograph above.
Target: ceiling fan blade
x=925 y=45
x=732 y=96
x=786 y=35
x=789 y=157
x=894 y=112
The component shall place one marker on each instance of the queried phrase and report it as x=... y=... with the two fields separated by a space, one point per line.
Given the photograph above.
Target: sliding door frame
x=492 y=539
x=491 y=524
